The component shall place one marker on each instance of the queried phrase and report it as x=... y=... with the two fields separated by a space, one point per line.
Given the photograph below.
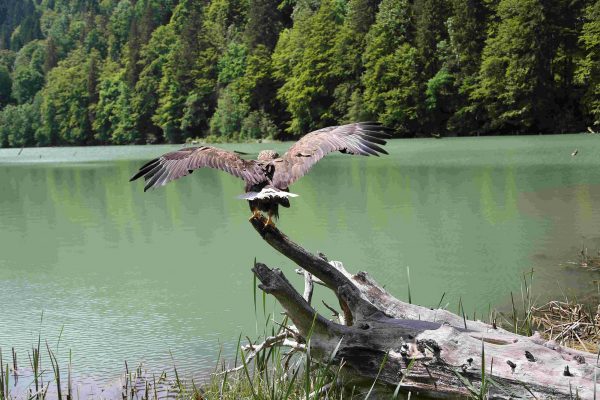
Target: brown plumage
x=269 y=171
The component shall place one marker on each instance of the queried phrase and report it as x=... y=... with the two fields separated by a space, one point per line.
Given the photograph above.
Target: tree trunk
x=432 y=352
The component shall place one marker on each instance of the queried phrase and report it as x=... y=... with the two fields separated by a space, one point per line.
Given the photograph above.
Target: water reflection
x=137 y=276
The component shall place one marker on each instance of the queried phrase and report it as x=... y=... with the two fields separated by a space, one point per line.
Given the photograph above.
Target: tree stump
x=433 y=352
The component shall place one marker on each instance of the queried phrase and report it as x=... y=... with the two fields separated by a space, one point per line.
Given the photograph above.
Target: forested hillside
x=138 y=71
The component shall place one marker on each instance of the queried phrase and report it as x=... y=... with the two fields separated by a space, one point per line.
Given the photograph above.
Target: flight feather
x=180 y=163
x=363 y=138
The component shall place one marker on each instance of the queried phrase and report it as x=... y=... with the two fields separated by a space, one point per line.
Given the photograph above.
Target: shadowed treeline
x=81 y=72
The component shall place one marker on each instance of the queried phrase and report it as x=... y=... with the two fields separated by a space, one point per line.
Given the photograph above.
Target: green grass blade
x=290 y=387
x=378 y=373
x=250 y=381
x=404 y=375
x=441 y=300
x=254 y=286
x=408 y=280
x=238 y=350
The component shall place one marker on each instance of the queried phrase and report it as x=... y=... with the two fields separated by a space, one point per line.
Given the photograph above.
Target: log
x=432 y=352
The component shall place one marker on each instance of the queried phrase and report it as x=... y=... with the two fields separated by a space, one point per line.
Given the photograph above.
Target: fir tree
x=588 y=71
x=391 y=69
x=514 y=81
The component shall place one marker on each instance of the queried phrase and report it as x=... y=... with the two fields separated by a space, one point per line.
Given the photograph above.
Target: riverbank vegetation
x=271 y=374
x=265 y=369
x=146 y=71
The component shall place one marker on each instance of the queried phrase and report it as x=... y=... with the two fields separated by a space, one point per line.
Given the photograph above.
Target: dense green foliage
x=146 y=71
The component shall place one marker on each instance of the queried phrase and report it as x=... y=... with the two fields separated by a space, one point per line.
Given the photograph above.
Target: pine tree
x=189 y=75
x=308 y=88
x=258 y=84
x=349 y=49
x=263 y=24
x=119 y=27
x=434 y=81
x=134 y=45
x=19 y=24
x=514 y=79
x=114 y=121
x=430 y=30
x=5 y=86
x=164 y=70
x=588 y=71
x=51 y=55
x=391 y=69
x=467 y=29
x=565 y=22
x=153 y=57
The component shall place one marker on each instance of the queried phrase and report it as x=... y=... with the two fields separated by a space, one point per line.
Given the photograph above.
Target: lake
x=164 y=277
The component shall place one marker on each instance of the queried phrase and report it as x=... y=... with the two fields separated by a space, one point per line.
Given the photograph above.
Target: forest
x=93 y=72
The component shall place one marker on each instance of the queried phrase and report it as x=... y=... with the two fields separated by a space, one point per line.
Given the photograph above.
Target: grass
x=272 y=373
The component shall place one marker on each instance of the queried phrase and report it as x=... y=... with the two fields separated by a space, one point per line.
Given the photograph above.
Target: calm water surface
x=164 y=277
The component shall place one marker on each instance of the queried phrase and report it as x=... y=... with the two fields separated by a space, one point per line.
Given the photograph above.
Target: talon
x=269 y=221
x=255 y=214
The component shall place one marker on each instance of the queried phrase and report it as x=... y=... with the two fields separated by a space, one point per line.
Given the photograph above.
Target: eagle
x=269 y=176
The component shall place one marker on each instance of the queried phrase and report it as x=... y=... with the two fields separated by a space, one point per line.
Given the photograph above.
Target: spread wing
x=174 y=165
x=361 y=138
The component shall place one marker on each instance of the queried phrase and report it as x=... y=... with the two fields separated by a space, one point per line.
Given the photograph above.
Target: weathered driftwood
x=429 y=351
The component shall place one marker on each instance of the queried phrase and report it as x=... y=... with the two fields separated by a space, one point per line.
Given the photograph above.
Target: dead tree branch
x=445 y=358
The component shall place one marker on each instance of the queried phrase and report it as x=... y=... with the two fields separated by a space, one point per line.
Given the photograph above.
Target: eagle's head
x=267 y=155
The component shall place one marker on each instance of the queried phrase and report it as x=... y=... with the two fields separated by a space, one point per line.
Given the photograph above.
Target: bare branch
x=384 y=336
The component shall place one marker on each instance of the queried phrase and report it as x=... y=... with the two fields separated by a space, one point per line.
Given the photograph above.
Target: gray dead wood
x=446 y=358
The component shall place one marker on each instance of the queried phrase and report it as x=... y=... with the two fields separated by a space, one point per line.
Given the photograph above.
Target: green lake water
x=164 y=277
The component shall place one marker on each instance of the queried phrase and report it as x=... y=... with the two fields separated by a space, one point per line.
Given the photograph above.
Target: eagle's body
x=269 y=176
x=269 y=203
x=272 y=197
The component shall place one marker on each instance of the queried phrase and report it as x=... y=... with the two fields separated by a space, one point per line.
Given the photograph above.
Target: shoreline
x=141 y=383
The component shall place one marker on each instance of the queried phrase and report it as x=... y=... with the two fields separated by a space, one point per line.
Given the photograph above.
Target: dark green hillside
x=137 y=71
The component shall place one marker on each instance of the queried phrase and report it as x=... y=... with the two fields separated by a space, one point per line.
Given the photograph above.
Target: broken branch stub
x=430 y=351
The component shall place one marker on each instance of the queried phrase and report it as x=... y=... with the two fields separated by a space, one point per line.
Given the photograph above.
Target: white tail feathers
x=266 y=193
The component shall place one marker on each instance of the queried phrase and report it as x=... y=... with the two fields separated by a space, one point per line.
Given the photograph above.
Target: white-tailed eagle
x=269 y=176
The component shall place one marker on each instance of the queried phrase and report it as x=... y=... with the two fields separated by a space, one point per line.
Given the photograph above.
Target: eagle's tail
x=267 y=193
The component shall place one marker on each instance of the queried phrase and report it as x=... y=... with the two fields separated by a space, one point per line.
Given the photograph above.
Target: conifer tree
x=5 y=86
x=588 y=71
x=263 y=24
x=467 y=29
x=113 y=117
x=514 y=79
x=391 y=69
x=164 y=70
x=308 y=88
x=183 y=73
x=349 y=49
x=153 y=57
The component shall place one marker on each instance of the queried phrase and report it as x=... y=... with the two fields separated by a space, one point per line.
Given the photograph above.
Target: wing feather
x=375 y=139
x=150 y=182
x=170 y=167
x=177 y=164
x=363 y=138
